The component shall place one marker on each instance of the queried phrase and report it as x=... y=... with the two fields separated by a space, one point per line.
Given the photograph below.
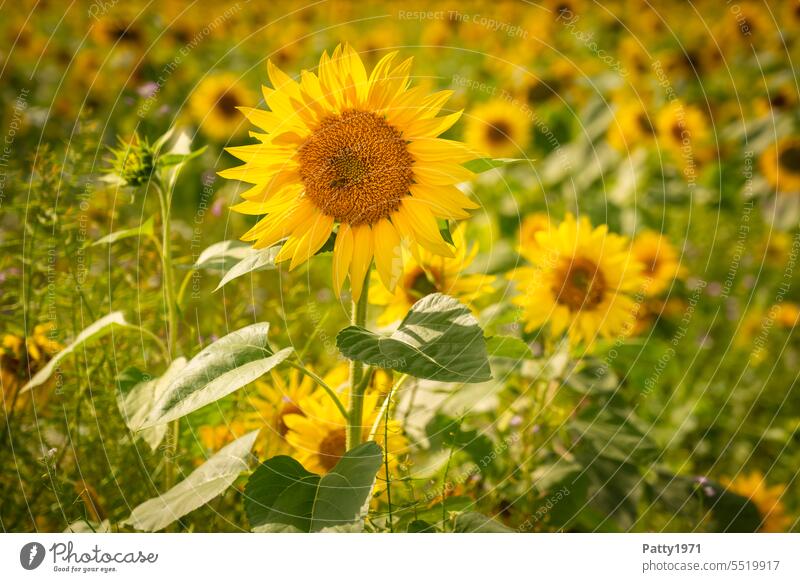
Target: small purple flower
x=516 y=420
x=216 y=208
x=147 y=90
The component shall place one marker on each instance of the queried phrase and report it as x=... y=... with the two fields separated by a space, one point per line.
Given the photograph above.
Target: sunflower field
x=409 y=266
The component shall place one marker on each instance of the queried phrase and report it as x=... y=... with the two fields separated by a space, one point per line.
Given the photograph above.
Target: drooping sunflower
x=318 y=432
x=341 y=146
x=430 y=273
x=581 y=282
x=659 y=259
x=766 y=499
x=498 y=128
x=780 y=165
x=215 y=104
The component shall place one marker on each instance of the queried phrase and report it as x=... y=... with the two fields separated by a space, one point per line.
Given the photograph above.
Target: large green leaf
x=439 y=340
x=201 y=486
x=137 y=393
x=218 y=370
x=144 y=229
x=256 y=260
x=282 y=496
x=95 y=331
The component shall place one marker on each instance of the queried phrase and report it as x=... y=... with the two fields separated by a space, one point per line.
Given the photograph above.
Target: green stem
x=357 y=386
x=164 y=197
x=168 y=275
x=330 y=391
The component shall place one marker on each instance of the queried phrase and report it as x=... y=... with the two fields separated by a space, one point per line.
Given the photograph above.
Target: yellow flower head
x=766 y=499
x=581 y=282
x=528 y=231
x=633 y=126
x=341 y=146
x=780 y=165
x=318 y=432
x=660 y=261
x=499 y=129
x=215 y=104
x=429 y=273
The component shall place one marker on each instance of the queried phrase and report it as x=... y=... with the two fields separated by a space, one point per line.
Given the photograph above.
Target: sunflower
x=429 y=273
x=272 y=402
x=359 y=150
x=780 y=165
x=499 y=129
x=580 y=282
x=317 y=432
x=766 y=499
x=659 y=259
x=633 y=126
x=215 y=105
x=528 y=231
x=683 y=130
x=21 y=358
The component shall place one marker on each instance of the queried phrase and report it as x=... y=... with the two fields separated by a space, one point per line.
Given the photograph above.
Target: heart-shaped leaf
x=439 y=340
x=201 y=486
x=282 y=496
x=218 y=370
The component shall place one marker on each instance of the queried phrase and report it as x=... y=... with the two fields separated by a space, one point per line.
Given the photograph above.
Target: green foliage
x=282 y=496
x=439 y=340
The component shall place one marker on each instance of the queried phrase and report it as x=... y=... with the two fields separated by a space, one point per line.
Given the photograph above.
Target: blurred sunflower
x=499 y=129
x=632 y=127
x=21 y=358
x=786 y=314
x=277 y=399
x=318 y=432
x=780 y=165
x=660 y=260
x=766 y=499
x=683 y=130
x=215 y=105
x=430 y=273
x=531 y=226
x=581 y=283
x=360 y=150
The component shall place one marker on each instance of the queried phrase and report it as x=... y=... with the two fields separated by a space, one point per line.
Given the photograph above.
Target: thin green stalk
x=330 y=391
x=386 y=467
x=164 y=197
x=357 y=386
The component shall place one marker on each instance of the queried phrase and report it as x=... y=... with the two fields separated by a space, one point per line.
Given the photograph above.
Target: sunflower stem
x=357 y=385
x=164 y=198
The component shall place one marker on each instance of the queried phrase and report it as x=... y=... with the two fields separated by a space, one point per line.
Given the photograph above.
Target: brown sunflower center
x=418 y=284
x=287 y=409
x=789 y=159
x=332 y=448
x=579 y=285
x=498 y=132
x=645 y=125
x=227 y=104
x=356 y=167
